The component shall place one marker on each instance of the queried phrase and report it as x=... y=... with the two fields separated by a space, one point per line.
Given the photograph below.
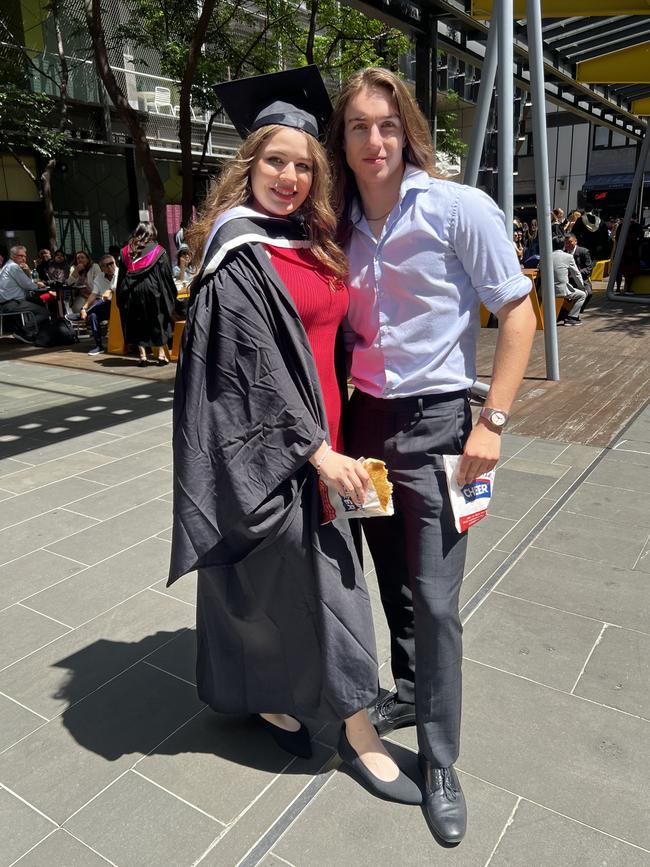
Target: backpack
x=57 y=333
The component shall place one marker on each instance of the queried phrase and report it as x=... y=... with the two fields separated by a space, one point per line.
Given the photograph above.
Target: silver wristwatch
x=496 y=417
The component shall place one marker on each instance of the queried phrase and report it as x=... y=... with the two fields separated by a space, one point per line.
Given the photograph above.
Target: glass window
x=601 y=137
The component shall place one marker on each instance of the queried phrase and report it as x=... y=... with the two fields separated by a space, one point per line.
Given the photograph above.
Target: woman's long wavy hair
x=419 y=145
x=140 y=237
x=233 y=188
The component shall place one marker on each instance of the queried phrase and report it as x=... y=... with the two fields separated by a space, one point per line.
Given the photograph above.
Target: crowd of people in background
x=75 y=289
x=578 y=242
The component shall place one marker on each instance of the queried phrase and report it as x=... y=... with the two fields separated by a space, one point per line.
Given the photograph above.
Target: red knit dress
x=322 y=302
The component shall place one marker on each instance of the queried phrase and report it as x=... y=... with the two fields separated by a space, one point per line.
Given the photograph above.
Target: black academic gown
x=284 y=621
x=146 y=297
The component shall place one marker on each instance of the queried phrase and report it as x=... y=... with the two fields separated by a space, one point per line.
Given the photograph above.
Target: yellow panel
x=569 y=8
x=15 y=183
x=641 y=107
x=34 y=13
x=626 y=66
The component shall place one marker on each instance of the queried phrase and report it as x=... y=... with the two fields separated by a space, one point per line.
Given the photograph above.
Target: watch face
x=497 y=418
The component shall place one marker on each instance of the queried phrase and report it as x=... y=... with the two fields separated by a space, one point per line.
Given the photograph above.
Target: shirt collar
x=413 y=178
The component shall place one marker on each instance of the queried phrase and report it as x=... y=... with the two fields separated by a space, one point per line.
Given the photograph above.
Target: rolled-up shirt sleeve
x=481 y=243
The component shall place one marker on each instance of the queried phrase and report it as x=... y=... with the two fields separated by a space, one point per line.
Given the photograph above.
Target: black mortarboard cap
x=295 y=98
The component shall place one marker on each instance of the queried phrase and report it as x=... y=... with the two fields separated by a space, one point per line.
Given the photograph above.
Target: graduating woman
x=284 y=621
x=146 y=294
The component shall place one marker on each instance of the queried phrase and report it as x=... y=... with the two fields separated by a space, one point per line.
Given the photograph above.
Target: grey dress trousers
x=418 y=554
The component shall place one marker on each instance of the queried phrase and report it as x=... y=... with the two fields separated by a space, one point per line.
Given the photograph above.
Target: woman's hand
x=345 y=474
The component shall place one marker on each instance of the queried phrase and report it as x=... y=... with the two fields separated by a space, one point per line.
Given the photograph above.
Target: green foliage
x=28 y=121
x=448 y=138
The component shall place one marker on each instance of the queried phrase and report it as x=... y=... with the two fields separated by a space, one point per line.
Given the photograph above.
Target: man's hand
x=481 y=454
x=83 y=313
x=106 y=295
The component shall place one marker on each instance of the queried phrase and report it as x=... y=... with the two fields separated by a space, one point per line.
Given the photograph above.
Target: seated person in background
x=518 y=241
x=582 y=258
x=41 y=263
x=82 y=276
x=182 y=270
x=19 y=293
x=97 y=307
x=57 y=269
x=564 y=266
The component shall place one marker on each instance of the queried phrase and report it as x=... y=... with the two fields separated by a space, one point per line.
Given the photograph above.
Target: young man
x=423 y=252
x=583 y=261
x=97 y=307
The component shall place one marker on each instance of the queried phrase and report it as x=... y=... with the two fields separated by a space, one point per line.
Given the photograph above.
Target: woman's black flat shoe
x=297 y=743
x=162 y=362
x=143 y=362
x=402 y=790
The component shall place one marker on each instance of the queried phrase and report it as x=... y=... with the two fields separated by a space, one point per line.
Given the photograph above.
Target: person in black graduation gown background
x=284 y=624
x=146 y=294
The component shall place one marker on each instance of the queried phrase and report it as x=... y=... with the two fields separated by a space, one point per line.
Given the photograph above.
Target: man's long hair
x=419 y=145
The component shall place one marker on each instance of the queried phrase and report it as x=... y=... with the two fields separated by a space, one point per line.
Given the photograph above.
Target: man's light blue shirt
x=14 y=283
x=415 y=291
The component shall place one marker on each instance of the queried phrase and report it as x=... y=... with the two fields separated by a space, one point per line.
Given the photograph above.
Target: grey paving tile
x=632 y=449
x=60 y=849
x=571 y=475
x=73 y=757
x=544 y=451
x=610 y=504
x=556 y=750
x=537 y=836
x=578 y=456
x=618 y=672
x=540 y=643
x=475 y=578
x=54 y=471
x=344 y=825
x=72 y=444
x=34 y=503
x=115 y=500
x=38 y=532
x=525 y=524
x=100 y=587
x=94 y=653
x=484 y=536
x=639 y=430
x=184 y=588
x=15 y=722
x=31 y=573
x=12 y=465
x=512 y=444
x=20 y=827
x=597 y=590
x=128 y=468
x=137 y=424
x=178 y=657
x=220 y=763
x=271 y=860
x=515 y=492
x=109 y=537
x=137 y=442
x=643 y=563
x=536 y=468
x=594 y=539
x=23 y=631
x=147 y=827
x=621 y=474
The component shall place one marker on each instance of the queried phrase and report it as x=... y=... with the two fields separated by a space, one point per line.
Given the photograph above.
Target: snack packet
x=379 y=500
x=469 y=503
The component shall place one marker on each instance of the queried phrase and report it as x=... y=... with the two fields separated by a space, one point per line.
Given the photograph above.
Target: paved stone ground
x=107 y=756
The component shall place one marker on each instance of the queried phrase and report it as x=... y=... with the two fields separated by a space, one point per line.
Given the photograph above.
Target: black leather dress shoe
x=444 y=803
x=401 y=790
x=390 y=714
x=297 y=743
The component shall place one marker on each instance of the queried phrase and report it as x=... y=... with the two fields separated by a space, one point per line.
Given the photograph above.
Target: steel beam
x=482 y=111
x=629 y=211
x=542 y=188
x=505 y=96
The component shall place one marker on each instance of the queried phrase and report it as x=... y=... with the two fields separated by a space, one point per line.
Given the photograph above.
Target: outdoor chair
x=27 y=319
x=162 y=103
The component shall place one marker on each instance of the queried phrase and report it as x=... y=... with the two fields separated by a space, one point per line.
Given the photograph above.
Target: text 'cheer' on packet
x=469 y=502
